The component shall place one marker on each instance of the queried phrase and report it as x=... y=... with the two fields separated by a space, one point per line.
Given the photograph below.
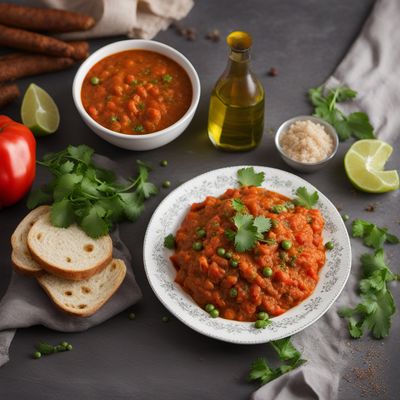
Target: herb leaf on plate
x=306 y=199
x=249 y=177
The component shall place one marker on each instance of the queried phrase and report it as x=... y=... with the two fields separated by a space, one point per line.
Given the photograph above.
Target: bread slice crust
x=48 y=283
x=59 y=270
x=21 y=258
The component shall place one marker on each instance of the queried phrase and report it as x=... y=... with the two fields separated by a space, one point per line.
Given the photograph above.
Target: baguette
x=68 y=252
x=21 y=256
x=85 y=297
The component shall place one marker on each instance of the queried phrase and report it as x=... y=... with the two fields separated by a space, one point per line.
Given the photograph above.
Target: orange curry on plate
x=136 y=92
x=275 y=275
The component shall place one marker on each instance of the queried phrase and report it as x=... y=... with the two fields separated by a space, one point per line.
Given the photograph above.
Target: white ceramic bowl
x=300 y=166
x=137 y=142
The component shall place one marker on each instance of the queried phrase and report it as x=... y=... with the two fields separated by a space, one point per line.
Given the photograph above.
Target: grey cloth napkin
x=372 y=68
x=25 y=304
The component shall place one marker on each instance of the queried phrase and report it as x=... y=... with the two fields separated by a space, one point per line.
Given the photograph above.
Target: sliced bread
x=68 y=252
x=85 y=297
x=21 y=256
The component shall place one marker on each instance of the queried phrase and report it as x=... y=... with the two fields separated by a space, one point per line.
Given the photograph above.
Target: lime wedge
x=364 y=163
x=39 y=112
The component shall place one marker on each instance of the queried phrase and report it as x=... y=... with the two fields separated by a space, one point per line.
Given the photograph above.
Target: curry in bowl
x=136 y=92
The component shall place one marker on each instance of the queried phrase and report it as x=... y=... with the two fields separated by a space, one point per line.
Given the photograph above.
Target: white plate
x=161 y=273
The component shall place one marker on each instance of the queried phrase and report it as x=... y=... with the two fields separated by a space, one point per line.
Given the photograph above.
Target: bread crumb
x=307 y=142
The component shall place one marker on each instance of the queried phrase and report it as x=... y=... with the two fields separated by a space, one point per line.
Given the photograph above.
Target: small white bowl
x=137 y=142
x=300 y=166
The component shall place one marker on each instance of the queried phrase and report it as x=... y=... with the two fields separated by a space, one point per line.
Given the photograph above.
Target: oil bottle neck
x=239 y=62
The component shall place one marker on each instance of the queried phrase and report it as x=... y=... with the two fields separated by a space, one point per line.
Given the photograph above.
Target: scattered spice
x=272 y=72
x=187 y=32
x=213 y=35
x=371 y=207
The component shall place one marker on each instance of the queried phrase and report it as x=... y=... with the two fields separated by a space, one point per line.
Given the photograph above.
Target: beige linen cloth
x=135 y=18
x=372 y=68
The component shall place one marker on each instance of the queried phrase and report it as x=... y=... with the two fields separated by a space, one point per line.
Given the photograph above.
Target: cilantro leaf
x=373 y=236
x=246 y=235
x=65 y=185
x=285 y=349
x=62 y=213
x=306 y=199
x=360 y=126
x=238 y=205
x=248 y=177
x=261 y=371
x=169 y=241
x=93 y=224
x=263 y=225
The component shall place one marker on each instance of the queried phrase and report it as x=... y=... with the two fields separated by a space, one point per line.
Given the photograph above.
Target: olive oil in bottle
x=236 y=114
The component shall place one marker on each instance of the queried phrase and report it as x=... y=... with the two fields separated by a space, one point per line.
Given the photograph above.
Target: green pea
x=233 y=292
x=59 y=348
x=64 y=344
x=286 y=244
x=164 y=163
x=260 y=324
x=166 y=184
x=329 y=245
x=234 y=263
x=345 y=217
x=228 y=255
x=94 y=80
x=69 y=347
x=197 y=246
x=262 y=316
x=165 y=319
x=201 y=233
x=132 y=316
x=209 y=307
x=267 y=272
x=214 y=313
x=37 y=355
x=221 y=251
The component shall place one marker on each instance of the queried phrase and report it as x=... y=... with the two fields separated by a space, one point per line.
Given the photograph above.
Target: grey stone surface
x=149 y=359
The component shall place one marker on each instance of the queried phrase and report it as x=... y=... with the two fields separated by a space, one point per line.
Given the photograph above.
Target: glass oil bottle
x=236 y=113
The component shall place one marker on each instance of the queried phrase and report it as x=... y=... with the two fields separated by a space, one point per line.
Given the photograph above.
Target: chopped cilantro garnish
x=167 y=78
x=138 y=128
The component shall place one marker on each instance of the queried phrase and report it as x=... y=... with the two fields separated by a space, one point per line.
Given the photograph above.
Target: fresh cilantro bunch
x=83 y=193
x=262 y=372
x=356 y=124
x=377 y=306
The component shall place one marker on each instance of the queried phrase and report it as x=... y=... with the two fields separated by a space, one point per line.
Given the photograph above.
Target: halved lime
x=39 y=112
x=364 y=163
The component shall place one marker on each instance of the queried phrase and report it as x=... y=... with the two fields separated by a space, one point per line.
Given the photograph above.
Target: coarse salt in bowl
x=306 y=143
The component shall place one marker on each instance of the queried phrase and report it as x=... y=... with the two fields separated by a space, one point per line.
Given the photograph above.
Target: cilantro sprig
x=372 y=235
x=83 y=193
x=356 y=124
x=262 y=372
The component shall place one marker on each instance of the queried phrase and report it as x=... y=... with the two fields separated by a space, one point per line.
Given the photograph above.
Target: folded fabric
x=25 y=304
x=372 y=68
x=134 y=18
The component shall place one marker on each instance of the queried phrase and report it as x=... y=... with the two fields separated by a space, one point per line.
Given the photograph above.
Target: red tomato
x=17 y=161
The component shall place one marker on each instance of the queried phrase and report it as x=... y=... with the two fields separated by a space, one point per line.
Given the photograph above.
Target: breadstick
x=81 y=49
x=8 y=93
x=34 y=42
x=43 y=19
x=19 y=65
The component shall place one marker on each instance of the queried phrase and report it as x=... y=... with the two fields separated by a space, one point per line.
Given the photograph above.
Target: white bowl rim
x=332 y=133
x=186 y=65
